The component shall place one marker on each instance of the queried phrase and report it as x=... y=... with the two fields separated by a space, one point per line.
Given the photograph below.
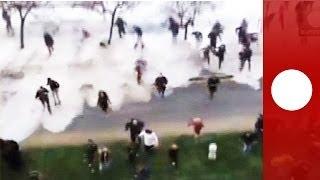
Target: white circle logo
x=291 y=90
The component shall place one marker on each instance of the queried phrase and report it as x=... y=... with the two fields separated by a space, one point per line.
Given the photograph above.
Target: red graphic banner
x=291 y=138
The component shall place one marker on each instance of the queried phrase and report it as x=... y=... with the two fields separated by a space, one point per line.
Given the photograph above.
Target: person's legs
x=49 y=49
x=104 y=107
x=120 y=32
x=220 y=62
x=54 y=97
x=163 y=91
x=197 y=131
x=242 y=62
x=57 y=95
x=8 y=28
x=249 y=64
x=133 y=137
x=212 y=90
x=244 y=147
x=48 y=106
x=211 y=93
x=148 y=149
x=208 y=58
x=43 y=104
x=159 y=90
x=138 y=42
x=139 y=78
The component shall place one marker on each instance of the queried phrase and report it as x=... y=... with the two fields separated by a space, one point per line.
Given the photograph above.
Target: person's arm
x=237 y=29
x=127 y=126
x=141 y=134
x=108 y=99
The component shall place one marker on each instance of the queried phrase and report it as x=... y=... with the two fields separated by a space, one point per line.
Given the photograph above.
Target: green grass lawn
x=66 y=163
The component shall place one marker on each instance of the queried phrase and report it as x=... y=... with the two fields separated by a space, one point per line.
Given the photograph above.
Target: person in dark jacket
x=103 y=101
x=49 y=42
x=259 y=125
x=248 y=139
x=135 y=126
x=161 y=84
x=42 y=95
x=139 y=74
x=54 y=86
x=139 y=33
x=85 y=34
x=220 y=54
x=206 y=54
x=216 y=31
x=212 y=84
x=120 y=24
x=174 y=28
x=213 y=39
x=243 y=34
x=10 y=153
x=91 y=154
x=244 y=56
x=173 y=155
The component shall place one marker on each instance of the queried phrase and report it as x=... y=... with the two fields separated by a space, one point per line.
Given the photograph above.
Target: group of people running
x=144 y=143
x=244 y=38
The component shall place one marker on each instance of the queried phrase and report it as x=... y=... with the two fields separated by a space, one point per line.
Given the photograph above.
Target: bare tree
x=6 y=17
x=182 y=8
x=23 y=7
x=98 y=6
x=187 y=11
x=118 y=5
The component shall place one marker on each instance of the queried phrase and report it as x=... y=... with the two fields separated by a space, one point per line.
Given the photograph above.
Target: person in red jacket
x=197 y=124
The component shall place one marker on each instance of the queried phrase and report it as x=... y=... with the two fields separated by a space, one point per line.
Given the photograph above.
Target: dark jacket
x=53 y=85
x=259 y=124
x=221 y=51
x=42 y=94
x=120 y=23
x=248 y=138
x=173 y=26
x=161 y=81
x=213 y=82
x=213 y=38
x=48 y=39
x=134 y=129
x=103 y=101
x=138 y=30
x=173 y=154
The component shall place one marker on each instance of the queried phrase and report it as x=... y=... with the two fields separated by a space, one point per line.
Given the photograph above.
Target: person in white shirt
x=150 y=139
